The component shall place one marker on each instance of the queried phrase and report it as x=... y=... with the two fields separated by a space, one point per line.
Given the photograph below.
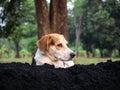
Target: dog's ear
x=52 y=41
x=43 y=43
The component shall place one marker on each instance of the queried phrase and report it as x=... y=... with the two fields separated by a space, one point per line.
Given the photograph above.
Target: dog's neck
x=51 y=57
x=40 y=54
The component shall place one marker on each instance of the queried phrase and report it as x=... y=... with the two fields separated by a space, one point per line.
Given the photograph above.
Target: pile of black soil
x=18 y=76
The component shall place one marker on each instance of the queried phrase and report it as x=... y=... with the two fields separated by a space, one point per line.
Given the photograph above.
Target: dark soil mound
x=18 y=76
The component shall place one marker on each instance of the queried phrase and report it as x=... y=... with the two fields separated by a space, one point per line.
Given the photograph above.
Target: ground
x=19 y=76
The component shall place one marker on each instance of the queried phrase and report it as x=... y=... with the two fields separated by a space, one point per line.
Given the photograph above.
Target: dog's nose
x=72 y=55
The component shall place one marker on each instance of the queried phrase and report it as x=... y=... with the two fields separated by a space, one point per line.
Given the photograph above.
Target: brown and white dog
x=53 y=50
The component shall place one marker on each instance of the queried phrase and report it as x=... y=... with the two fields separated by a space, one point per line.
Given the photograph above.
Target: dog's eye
x=67 y=45
x=60 y=45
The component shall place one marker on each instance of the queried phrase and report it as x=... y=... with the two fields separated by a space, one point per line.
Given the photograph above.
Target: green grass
x=80 y=60
x=22 y=60
x=93 y=60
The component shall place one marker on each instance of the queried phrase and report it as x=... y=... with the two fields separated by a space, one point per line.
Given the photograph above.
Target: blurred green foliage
x=100 y=25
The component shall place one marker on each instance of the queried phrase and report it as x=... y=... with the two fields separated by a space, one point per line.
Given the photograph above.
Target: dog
x=53 y=49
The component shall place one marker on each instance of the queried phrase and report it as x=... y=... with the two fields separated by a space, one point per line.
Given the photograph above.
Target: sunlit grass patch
x=80 y=60
x=87 y=61
x=22 y=60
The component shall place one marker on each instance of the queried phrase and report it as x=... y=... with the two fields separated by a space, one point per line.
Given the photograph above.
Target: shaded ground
x=18 y=76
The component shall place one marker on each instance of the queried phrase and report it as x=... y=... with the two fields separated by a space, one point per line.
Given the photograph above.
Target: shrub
x=24 y=53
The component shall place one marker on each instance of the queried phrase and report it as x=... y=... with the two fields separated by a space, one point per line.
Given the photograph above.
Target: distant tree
x=99 y=25
x=10 y=16
x=78 y=13
x=71 y=30
x=78 y=32
x=105 y=27
x=14 y=15
x=113 y=8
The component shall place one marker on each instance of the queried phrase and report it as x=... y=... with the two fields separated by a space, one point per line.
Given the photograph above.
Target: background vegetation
x=93 y=27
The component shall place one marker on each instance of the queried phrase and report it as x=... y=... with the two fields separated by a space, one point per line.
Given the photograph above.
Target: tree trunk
x=53 y=15
x=42 y=17
x=78 y=33
x=53 y=22
x=119 y=52
x=17 y=49
x=93 y=50
x=77 y=43
x=110 y=52
x=87 y=53
x=101 y=53
x=58 y=17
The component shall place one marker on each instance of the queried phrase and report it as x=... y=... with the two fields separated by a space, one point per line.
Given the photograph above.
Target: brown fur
x=47 y=40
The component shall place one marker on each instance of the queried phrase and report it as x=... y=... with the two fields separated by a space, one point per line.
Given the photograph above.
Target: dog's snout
x=72 y=55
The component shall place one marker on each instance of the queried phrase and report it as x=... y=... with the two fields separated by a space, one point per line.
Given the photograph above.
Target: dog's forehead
x=62 y=39
x=59 y=38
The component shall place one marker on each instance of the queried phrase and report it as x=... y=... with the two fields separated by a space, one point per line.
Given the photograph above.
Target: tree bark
x=54 y=21
x=119 y=52
x=42 y=17
x=53 y=15
x=58 y=17
x=17 y=49
x=78 y=33
x=93 y=50
x=110 y=52
x=87 y=53
x=77 y=43
x=101 y=53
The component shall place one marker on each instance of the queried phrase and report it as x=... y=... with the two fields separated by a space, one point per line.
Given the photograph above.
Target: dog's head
x=55 y=45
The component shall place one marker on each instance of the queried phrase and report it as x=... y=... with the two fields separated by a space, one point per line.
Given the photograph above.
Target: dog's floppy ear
x=43 y=43
x=52 y=41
